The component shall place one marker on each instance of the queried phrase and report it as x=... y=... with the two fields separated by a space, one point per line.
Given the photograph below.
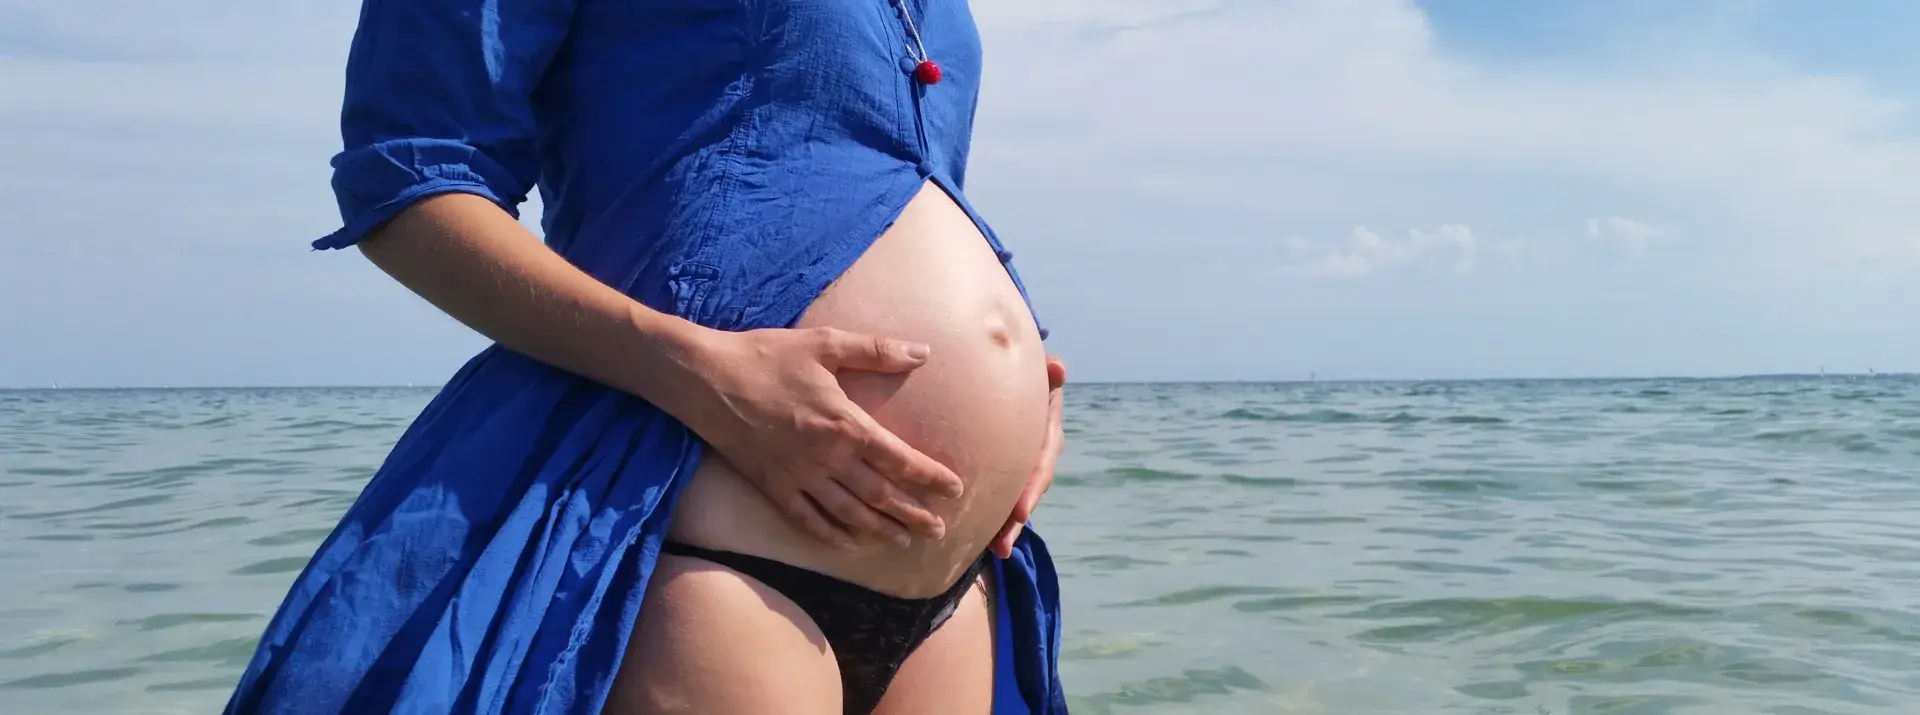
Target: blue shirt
x=721 y=160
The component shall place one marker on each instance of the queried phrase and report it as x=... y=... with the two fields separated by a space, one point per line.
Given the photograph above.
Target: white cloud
x=1366 y=252
x=1775 y=161
x=1637 y=236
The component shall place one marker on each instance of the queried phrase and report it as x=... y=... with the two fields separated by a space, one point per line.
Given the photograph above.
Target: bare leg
x=714 y=642
x=951 y=673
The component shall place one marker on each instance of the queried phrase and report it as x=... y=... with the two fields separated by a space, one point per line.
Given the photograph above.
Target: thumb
x=871 y=353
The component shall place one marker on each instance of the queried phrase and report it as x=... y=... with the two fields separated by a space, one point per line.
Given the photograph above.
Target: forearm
x=471 y=260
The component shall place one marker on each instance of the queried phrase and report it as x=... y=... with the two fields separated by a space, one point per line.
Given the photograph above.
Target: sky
x=1218 y=190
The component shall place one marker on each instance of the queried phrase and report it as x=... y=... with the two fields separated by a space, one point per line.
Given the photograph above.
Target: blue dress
x=722 y=160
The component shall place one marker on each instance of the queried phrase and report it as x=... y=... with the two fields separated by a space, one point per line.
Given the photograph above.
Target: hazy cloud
x=1366 y=252
x=1635 y=235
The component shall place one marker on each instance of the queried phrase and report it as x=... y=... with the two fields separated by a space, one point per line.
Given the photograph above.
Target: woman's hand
x=776 y=411
x=767 y=400
x=1042 y=478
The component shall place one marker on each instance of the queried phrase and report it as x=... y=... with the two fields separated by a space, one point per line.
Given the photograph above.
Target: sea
x=1628 y=547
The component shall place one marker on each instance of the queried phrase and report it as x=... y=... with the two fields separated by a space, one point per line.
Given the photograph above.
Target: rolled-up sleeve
x=438 y=100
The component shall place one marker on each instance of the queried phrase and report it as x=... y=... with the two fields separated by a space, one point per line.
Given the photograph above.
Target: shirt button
x=925 y=168
x=907 y=65
x=1004 y=255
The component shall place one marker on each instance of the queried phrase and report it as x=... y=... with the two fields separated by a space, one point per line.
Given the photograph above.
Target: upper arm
x=438 y=100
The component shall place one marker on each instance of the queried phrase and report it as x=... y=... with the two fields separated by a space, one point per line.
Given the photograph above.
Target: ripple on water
x=283 y=565
x=1622 y=547
x=1454 y=617
x=164 y=621
x=1200 y=594
x=71 y=678
x=1187 y=687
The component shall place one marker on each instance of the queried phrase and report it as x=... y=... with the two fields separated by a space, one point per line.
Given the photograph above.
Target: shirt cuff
x=374 y=183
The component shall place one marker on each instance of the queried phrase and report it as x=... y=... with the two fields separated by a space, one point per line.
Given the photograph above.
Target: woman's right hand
x=774 y=409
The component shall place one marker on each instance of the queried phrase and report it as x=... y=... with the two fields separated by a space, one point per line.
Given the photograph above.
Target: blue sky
x=1195 y=190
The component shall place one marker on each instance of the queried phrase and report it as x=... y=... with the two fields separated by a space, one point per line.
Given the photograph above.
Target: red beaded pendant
x=926 y=72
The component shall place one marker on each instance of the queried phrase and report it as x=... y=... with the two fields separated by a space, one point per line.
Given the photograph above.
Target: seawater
x=1621 y=547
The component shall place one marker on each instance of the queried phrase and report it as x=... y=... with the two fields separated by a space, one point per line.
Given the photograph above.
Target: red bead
x=926 y=72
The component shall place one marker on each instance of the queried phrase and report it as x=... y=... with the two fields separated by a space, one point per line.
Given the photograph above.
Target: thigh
x=952 y=672
x=712 y=641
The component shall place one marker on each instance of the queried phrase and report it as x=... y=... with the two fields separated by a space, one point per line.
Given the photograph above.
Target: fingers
x=874 y=489
x=808 y=514
x=1002 y=544
x=1038 y=484
x=1042 y=478
x=1056 y=372
x=843 y=350
x=894 y=459
x=860 y=519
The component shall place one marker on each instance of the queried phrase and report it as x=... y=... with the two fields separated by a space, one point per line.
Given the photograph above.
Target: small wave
x=148 y=500
x=48 y=471
x=165 y=621
x=1439 y=567
x=330 y=426
x=1143 y=474
x=292 y=537
x=42 y=648
x=1153 y=693
x=1452 y=616
x=1267 y=482
x=1298 y=603
x=1846 y=441
x=1472 y=420
x=1455 y=485
x=1116 y=562
x=190 y=685
x=1201 y=594
x=70 y=678
x=1319 y=416
x=228 y=653
x=289 y=564
x=1328 y=416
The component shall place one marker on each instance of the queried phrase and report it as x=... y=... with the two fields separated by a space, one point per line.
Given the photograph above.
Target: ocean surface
x=1621 y=547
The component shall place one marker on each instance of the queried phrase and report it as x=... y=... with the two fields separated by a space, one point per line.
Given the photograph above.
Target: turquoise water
x=1621 y=547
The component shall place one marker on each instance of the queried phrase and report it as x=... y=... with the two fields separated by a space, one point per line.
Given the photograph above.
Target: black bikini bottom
x=871 y=633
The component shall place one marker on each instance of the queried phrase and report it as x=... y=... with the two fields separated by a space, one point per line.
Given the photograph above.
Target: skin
x=772 y=405
x=711 y=640
x=766 y=400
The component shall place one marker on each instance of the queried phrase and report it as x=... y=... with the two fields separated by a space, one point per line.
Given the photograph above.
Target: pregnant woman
x=767 y=412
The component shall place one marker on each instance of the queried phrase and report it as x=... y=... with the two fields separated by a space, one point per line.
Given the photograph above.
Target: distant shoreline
x=1325 y=381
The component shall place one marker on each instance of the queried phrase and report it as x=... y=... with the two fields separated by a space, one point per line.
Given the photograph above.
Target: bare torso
x=979 y=405
x=713 y=641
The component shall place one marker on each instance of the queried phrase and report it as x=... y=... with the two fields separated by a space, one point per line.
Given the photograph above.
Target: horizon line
x=1268 y=381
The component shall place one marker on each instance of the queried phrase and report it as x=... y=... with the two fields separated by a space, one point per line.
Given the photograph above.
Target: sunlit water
x=1622 y=547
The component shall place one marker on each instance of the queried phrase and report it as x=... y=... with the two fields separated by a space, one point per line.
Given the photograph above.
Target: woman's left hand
x=1042 y=477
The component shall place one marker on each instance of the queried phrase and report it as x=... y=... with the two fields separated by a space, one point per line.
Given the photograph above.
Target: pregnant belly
x=979 y=405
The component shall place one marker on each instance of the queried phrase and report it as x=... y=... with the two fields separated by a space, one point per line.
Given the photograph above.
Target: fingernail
x=902 y=540
x=918 y=351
